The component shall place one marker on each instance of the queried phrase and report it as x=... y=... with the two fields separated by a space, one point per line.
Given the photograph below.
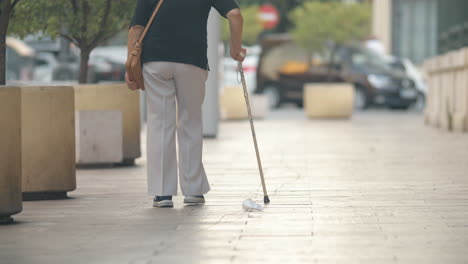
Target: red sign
x=269 y=16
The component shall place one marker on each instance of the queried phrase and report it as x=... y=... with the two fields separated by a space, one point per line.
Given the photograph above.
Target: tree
x=6 y=9
x=284 y=7
x=252 y=27
x=86 y=23
x=319 y=23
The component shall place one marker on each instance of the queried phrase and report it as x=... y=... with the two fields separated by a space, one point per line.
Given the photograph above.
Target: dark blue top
x=179 y=30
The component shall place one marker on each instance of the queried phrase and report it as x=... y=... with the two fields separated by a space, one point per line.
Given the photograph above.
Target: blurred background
x=342 y=92
x=377 y=46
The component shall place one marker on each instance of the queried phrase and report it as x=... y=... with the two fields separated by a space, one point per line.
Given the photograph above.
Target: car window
x=368 y=60
x=398 y=65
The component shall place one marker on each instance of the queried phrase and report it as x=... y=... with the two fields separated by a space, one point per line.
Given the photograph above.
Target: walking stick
x=247 y=102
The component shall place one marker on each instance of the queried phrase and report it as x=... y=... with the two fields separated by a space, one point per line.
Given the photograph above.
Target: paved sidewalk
x=382 y=188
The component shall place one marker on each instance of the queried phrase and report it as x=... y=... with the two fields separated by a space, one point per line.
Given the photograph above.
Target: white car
x=107 y=63
x=44 y=67
x=416 y=76
x=231 y=76
x=47 y=68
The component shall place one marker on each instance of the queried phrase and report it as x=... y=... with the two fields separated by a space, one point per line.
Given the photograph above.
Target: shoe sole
x=194 y=201
x=163 y=204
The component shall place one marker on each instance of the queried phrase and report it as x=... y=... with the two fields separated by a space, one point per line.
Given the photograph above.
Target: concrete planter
x=232 y=103
x=233 y=107
x=48 y=142
x=115 y=97
x=98 y=137
x=329 y=100
x=10 y=153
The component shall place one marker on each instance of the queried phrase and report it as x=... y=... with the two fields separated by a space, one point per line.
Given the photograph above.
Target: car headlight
x=379 y=81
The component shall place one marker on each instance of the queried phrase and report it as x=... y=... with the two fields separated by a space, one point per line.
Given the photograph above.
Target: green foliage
x=86 y=23
x=317 y=23
x=252 y=27
x=283 y=6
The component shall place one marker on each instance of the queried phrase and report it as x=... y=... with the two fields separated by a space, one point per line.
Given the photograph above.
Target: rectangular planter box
x=232 y=103
x=99 y=137
x=10 y=153
x=48 y=141
x=115 y=97
x=329 y=100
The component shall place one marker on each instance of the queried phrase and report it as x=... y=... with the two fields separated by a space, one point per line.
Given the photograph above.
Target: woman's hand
x=238 y=54
x=132 y=85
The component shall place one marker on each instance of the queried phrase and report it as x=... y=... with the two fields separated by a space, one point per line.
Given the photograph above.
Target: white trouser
x=166 y=82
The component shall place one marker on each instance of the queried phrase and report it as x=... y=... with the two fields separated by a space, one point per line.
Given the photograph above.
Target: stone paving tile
x=380 y=188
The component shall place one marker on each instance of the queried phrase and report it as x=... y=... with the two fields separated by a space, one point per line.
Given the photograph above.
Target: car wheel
x=361 y=101
x=273 y=95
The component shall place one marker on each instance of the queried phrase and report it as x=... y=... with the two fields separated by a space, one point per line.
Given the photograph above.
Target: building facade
x=419 y=29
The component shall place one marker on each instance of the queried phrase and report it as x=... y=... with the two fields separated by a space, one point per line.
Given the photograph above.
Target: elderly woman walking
x=175 y=69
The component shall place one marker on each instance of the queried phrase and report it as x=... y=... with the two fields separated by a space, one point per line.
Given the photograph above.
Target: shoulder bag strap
x=150 y=21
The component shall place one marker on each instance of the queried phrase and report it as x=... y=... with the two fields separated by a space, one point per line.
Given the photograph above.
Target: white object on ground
x=250 y=206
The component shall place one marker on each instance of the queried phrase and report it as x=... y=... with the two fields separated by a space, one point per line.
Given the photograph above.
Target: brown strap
x=142 y=37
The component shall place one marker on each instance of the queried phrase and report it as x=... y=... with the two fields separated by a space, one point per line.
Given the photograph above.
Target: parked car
x=107 y=64
x=56 y=59
x=415 y=75
x=19 y=60
x=375 y=81
x=48 y=68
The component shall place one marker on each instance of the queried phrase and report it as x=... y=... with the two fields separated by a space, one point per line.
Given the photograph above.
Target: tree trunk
x=2 y=59
x=84 y=58
x=4 y=19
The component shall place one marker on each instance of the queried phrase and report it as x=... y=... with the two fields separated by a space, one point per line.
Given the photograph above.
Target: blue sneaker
x=163 y=202
x=194 y=200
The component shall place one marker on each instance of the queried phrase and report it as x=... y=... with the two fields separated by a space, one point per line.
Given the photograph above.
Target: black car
x=375 y=81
